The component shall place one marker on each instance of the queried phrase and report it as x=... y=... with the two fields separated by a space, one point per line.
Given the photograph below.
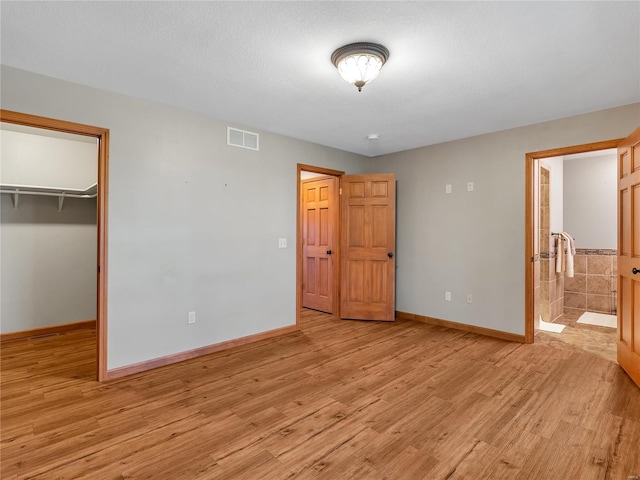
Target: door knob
x=328 y=252
x=390 y=254
x=635 y=271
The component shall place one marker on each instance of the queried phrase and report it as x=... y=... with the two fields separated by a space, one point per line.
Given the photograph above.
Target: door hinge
x=340 y=190
x=98 y=268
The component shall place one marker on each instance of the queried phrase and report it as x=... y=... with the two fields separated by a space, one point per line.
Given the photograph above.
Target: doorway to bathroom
x=627 y=270
x=577 y=301
x=545 y=286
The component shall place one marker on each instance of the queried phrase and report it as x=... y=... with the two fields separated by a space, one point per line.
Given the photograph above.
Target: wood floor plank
x=336 y=400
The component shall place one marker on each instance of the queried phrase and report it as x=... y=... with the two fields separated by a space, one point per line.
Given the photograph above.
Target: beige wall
x=473 y=242
x=193 y=223
x=48 y=262
x=31 y=157
x=590 y=201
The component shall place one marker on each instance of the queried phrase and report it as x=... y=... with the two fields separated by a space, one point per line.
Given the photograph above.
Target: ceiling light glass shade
x=360 y=63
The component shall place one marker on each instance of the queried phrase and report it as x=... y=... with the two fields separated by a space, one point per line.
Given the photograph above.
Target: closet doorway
x=319 y=236
x=317 y=239
x=357 y=280
x=15 y=121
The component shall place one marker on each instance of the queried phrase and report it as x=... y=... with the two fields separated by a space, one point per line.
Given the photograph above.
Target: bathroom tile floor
x=600 y=341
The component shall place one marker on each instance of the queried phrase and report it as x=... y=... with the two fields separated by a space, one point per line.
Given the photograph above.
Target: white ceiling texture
x=456 y=69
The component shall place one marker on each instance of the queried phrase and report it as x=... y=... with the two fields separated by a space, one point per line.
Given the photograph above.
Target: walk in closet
x=48 y=228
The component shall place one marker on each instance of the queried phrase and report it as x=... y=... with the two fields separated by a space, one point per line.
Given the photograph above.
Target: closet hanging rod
x=37 y=189
x=49 y=194
x=16 y=190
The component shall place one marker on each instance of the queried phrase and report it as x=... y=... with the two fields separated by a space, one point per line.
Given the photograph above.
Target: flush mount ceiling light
x=359 y=63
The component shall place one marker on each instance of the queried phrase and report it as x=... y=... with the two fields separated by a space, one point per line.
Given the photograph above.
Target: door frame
x=530 y=214
x=299 y=224
x=102 y=134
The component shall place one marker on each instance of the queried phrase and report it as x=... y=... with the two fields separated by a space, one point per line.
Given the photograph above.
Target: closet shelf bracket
x=16 y=190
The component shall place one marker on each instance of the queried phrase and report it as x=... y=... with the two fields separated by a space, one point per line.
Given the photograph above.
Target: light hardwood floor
x=338 y=400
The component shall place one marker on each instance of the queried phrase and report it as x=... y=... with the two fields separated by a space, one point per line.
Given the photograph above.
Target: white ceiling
x=456 y=69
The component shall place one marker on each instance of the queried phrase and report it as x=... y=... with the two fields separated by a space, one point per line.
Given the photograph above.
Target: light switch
x=282 y=243
x=447 y=188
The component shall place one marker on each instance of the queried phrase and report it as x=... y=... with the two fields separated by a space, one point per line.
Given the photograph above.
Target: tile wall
x=594 y=285
x=549 y=300
x=551 y=285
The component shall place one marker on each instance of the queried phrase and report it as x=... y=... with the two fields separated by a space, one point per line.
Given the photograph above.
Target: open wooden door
x=368 y=247
x=629 y=255
x=319 y=222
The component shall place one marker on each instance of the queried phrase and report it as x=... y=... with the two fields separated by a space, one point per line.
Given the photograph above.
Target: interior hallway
x=337 y=400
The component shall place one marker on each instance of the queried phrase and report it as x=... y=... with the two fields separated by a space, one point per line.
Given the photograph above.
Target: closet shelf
x=16 y=190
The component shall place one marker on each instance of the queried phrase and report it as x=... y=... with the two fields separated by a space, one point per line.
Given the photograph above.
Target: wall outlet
x=447 y=296
x=469 y=298
x=192 y=318
x=469 y=186
x=282 y=243
x=447 y=188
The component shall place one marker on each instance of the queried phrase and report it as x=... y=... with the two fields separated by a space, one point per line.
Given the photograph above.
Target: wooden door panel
x=324 y=281
x=629 y=255
x=310 y=276
x=368 y=247
x=625 y=294
x=379 y=189
x=636 y=325
x=355 y=287
x=320 y=213
x=356 y=189
x=379 y=289
x=324 y=225
x=379 y=218
x=625 y=226
x=310 y=226
x=625 y=164
x=636 y=225
x=356 y=230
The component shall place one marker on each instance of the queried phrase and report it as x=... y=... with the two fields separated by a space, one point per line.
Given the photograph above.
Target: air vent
x=243 y=139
